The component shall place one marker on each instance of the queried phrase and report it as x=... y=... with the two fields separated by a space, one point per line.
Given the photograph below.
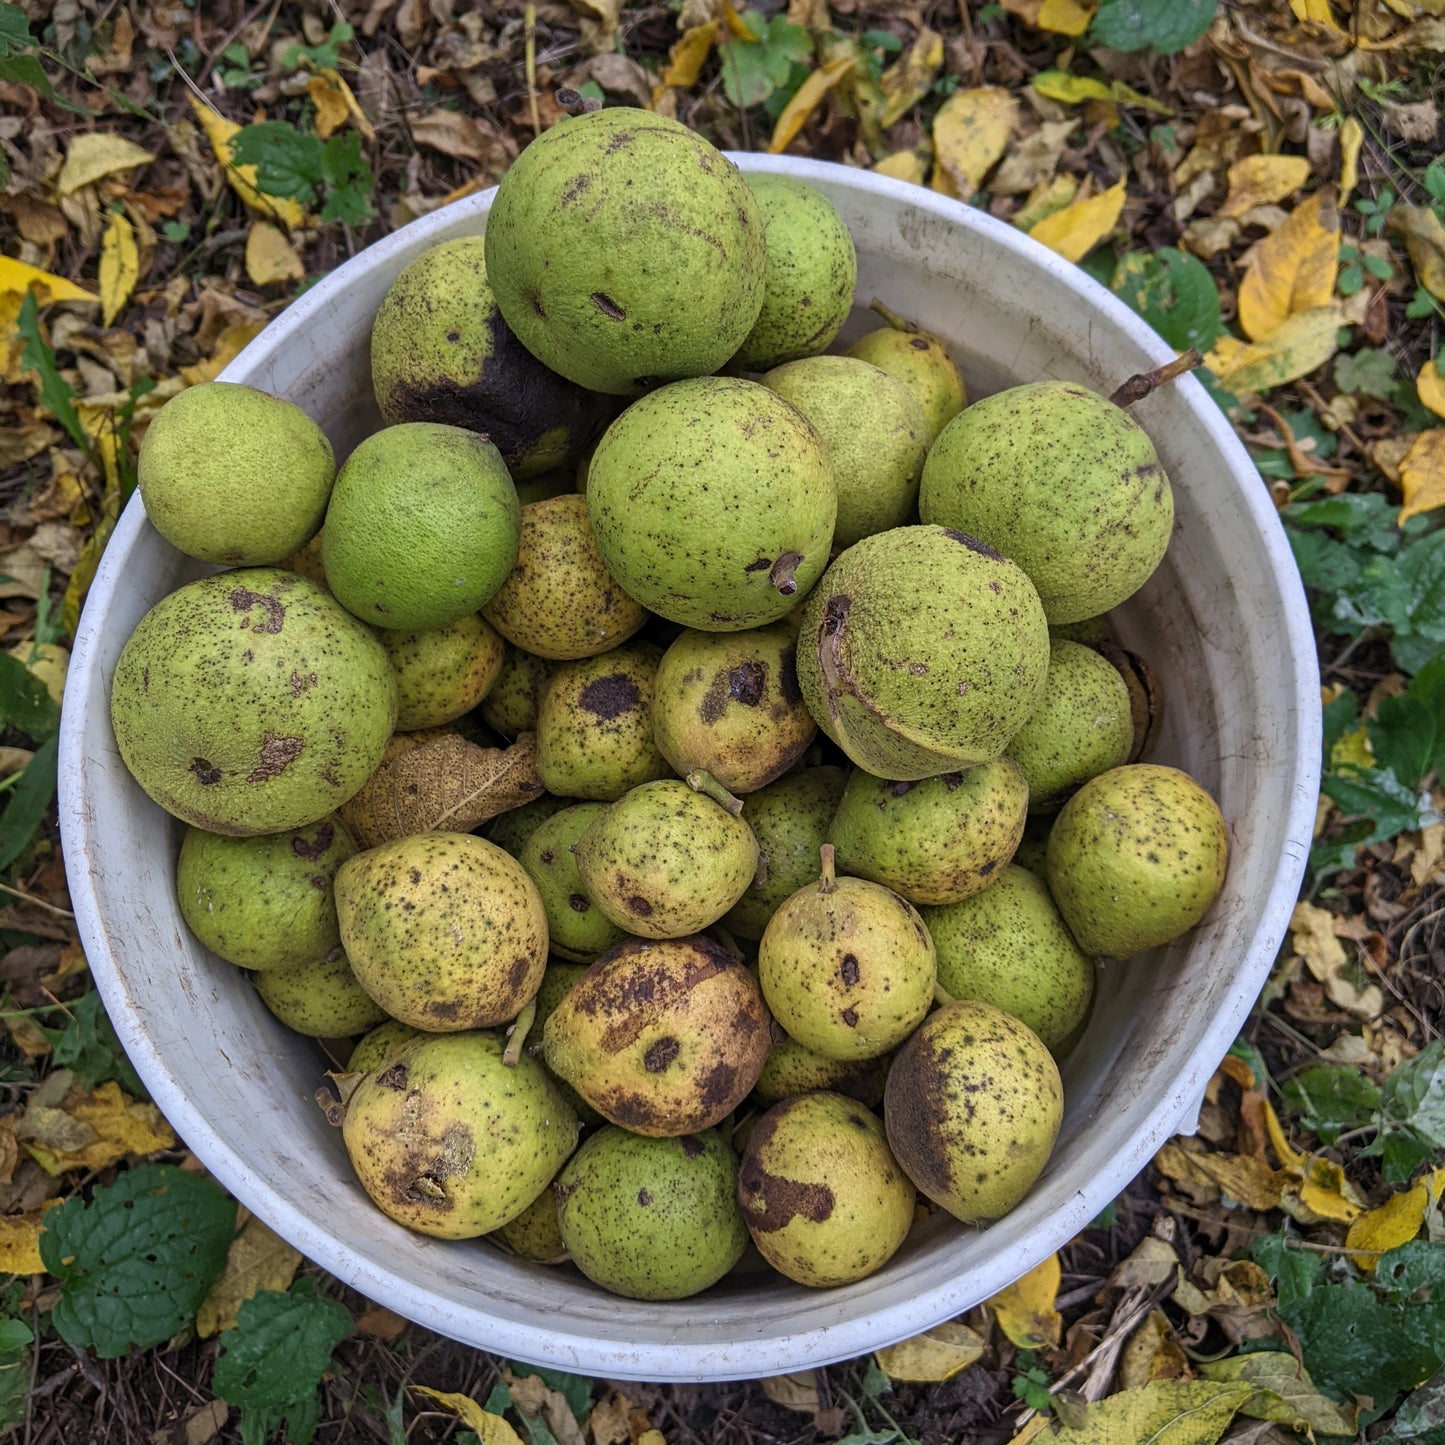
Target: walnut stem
x=702 y=781
x=829 y=880
x=1138 y=387
x=897 y=322
x=781 y=573
x=941 y=996
x=517 y=1034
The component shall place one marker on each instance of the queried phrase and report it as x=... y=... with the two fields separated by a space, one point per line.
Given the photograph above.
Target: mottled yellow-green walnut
x=1061 y=481
x=510 y=830
x=1009 y=946
x=441 y=352
x=625 y=250
x=322 y=1000
x=263 y=901
x=511 y=703
x=921 y=362
x=594 y=725
x=1083 y=726
x=713 y=503
x=232 y=475
x=450 y=1141
x=444 y=930
x=921 y=652
x=557 y=983
x=1135 y=858
x=250 y=702
x=847 y=967
x=376 y=1047
x=559 y=600
x=1032 y=850
x=812 y=268
x=422 y=526
x=536 y=1233
x=934 y=841
x=307 y=561
x=443 y=672
x=577 y=928
x=823 y=1196
x=652 y=1219
x=792 y=1069
x=665 y=861
x=790 y=820
x=662 y=1037
x=875 y=433
x=972 y=1109
x=728 y=703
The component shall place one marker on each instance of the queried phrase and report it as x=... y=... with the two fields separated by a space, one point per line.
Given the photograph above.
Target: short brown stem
x=780 y=574
x=1138 y=387
x=897 y=322
x=517 y=1034
x=829 y=880
x=702 y=781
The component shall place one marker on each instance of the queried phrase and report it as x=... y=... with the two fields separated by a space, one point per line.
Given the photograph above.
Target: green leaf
x=55 y=391
x=89 y=1048
x=1293 y=1272
x=16 y=1338
x=1379 y=795
x=326 y=56
x=1414 y=1093
x=27 y=70
x=135 y=1262
x=1163 y=25
x=14 y=30
x=1408 y=732
x=27 y=803
x=1401 y=1152
x=288 y=163
x=1339 y=715
x=1421 y=636
x=1421 y=1415
x=1366 y=372
x=25 y=701
x=345 y=171
x=1174 y=293
x=753 y=70
x=1330 y=1098
x=271 y=1364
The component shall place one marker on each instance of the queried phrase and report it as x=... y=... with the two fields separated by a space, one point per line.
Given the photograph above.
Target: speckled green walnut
x=443 y=672
x=1135 y=858
x=450 y=1141
x=934 y=841
x=376 y=1046
x=322 y=1000
x=444 y=930
x=665 y=861
x=230 y=474
x=663 y=1037
x=812 y=268
x=422 y=526
x=728 y=703
x=625 y=250
x=823 y=1196
x=921 y=362
x=577 y=928
x=263 y=901
x=713 y=503
x=1062 y=481
x=652 y=1219
x=559 y=600
x=1008 y=946
x=972 y=1108
x=250 y=702
x=847 y=967
x=1082 y=726
x=875 y=433
x=536 y=1233
x=510 y=706
x=792 y=1069
x=441 y=352
x=594 y=725
x=921 y=652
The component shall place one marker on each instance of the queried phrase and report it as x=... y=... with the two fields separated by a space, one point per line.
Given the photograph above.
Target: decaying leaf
x=492 y=1429
x=93 y=155
x=1066 y=17
x=1285 y=1392
x=793 y=1392
x=934 y=1356
x=1152 y=1353
x=1352 y=137
x=1263 y=181
x=805 y=100
x=970 y=134
x=1424 y=236
x=1033 y=161
x=1075 y=230
x=270 y=256
x=1293 y=269
x=686 y=58
x=534 y=1397
x=119 y=266
x=243 y=179
x=442 y=783
x=1397 y=1221
x=1169 y=1412
x=1422 y=471
x=1238 y=1177
x=1292 y=350
x=1025 y=1310
x=1313 y=937
x=909 y=79
x=90 y=1129
x=335 y=105
x=1077 y=89
x=258 y=1259
x=20 y=1240
x=16 y=278
x=905 y=166
x=1430 y=386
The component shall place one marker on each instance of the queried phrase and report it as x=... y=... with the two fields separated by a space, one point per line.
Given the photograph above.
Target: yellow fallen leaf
x=1352 y=137
x=1046 y=199
x=1422 y=473
x=1352 y=749
x=1312 y=935
x=806 y=99
x=1076 y=89
x=1263 y=181
x=1424 y=235
x=492 y=1429
x=1316 y=12
x=119 y=266
x=652 y=1437
x=242 y=179
x=1294 y=268
x=904 y=166
x=1292 y=350
x=335 y=105
x=1066 y=17
x=93 y=155
x=1430 y=386
x=909 y=79
x=92 y=1130
x=1324 y=1193
x=934 y=1356
x=1240 y=1177
x=16 y=278
x=1397 y=1221
x=970 y=134
x=20 y=1240
x=687 y=57
x=270 y=257
x=1168 y=1412
x=1080 y=226
x=257 y=1260
x=1025 y=1310
x=229 y=345
x=1152 y=1354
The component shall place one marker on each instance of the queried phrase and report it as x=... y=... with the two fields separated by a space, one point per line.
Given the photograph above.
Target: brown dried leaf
x=442 y=783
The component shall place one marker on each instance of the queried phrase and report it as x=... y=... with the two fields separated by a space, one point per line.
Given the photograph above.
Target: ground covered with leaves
x=1258 y=179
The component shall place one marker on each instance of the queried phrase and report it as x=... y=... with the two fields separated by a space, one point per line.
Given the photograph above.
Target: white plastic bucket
x=1223 y=622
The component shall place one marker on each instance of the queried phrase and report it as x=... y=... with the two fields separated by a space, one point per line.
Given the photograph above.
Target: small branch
x=530 y=56
x=829 y=879
x=702 y=781
x=1140 y=386
x=517 y=1034
x=38 y=902
x=897 y=322
x=781 y=573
